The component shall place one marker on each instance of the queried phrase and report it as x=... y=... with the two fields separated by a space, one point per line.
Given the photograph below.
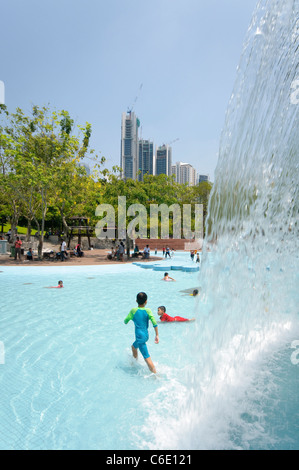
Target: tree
x=37 y=151
x=10 y=200
x=155 y=191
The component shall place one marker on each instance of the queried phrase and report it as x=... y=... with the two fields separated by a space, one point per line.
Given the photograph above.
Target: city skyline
x=139 y=156
x=174 y=63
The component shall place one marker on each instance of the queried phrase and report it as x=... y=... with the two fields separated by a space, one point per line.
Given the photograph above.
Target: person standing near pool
x=167 y=252
x=141 y=316
x=18 y=244
x=63 y=251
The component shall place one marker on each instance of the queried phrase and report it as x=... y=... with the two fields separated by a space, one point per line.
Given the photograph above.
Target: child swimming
x=59 y=286
x=164 y=317
x=167 y=278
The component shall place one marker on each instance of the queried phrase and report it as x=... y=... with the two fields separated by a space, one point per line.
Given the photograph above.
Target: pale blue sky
x=90 y=57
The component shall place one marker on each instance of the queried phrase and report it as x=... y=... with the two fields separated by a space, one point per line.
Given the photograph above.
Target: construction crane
x=136 y=98
x=172 y=142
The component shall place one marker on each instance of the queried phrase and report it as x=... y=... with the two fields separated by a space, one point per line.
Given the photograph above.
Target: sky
x=172 y=61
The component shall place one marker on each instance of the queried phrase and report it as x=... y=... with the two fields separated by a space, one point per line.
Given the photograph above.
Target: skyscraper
x=184 y=173
x=129 y=145
x=163 y=160
x=146 y=158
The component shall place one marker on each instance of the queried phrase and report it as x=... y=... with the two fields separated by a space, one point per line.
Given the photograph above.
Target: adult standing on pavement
x=63 y=251
x=18 y=244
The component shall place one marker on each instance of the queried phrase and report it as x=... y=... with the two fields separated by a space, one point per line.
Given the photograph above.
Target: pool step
x=156 y=267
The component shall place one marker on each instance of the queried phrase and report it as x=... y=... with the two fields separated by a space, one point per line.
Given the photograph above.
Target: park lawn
x=21 y=230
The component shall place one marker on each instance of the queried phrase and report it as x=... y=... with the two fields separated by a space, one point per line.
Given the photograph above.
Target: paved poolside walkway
x=91 y=257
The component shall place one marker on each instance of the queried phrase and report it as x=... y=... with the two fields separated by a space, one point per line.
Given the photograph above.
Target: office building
x=129 y=145
x=163 y=160
x=146 y=158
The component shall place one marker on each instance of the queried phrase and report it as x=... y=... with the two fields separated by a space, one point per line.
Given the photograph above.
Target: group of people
x=117 y=253
x=63 y=254
x=141 y=316
x=145 y=253
x=166 y=252
x=18 y=250
x=193 y=253
x=167 y=278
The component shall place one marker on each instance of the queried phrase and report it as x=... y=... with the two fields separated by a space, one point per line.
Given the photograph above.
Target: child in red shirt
x=60 y=286
x=166 y=318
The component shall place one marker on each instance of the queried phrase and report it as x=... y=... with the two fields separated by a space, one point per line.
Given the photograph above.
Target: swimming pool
x=68 y=380
x=226 y=381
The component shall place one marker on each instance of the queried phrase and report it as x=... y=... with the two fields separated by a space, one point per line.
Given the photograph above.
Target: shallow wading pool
x=68 y=380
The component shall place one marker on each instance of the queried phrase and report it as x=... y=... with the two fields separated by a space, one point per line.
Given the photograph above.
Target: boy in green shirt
x=141 y=316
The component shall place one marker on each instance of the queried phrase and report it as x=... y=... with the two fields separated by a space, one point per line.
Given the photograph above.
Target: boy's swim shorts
x=142 y=348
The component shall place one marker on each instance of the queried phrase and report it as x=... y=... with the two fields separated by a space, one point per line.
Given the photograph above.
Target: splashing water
x=241 y=388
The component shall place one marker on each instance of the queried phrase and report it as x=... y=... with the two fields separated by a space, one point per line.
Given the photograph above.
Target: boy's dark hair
x=163 y=308
x=141 y=298
x=165 y=274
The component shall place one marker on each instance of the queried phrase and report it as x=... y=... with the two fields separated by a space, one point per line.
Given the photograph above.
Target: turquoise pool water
x=226 y=381
x=68 y=380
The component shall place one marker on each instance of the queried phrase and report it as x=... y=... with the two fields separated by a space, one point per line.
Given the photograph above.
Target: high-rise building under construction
x=129 y=145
